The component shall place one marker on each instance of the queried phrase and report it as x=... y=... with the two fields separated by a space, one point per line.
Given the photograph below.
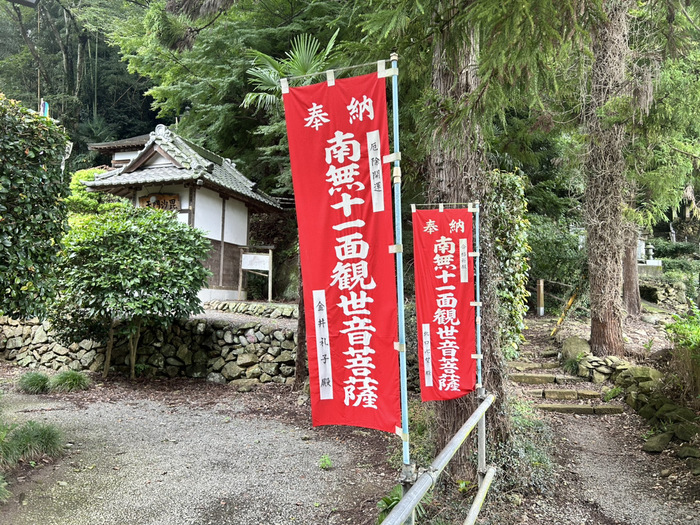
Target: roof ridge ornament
x=162 y=131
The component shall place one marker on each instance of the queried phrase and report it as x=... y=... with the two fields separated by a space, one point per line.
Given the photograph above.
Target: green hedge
x=32 y=213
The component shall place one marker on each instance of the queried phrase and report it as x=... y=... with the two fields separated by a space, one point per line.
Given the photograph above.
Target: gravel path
x=142 y=459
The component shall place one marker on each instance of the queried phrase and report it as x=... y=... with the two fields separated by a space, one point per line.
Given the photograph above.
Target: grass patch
x=34 y=383
x=612 y=393
x=69 y=381
x=32 y=440
x=4 y=493
x=27 y=442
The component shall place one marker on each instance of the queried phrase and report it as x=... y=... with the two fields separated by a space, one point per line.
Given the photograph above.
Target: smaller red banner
x=444 y=274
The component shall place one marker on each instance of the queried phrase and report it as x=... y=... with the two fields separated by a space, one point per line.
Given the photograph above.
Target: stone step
x=542 y=379
x=533 y=379
x=522 y=366
x=567 y=408
x=562 y=394
x=551 y=352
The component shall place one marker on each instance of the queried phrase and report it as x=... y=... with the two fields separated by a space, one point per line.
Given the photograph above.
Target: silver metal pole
x=404 y=508
x=480 y=496
x=481 y=443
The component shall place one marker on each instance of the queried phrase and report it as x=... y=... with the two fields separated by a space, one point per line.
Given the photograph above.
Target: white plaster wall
x=125 y=155
x=236 y=227
x=212 y=294
x=207 y=213
x=158 y=160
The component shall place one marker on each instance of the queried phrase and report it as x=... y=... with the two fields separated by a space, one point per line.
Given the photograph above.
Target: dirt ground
x=172 y=452
x=601 y=477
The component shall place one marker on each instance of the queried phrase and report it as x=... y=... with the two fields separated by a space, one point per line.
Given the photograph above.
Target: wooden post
x=540 y=297
x=269 y=277
x=240 y=272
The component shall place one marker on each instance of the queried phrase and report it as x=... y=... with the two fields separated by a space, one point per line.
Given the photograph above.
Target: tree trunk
x=133 y=345
x=456 y=173
x=302 y=371
x=605 y=180
x=630 y=281
x=108 y=352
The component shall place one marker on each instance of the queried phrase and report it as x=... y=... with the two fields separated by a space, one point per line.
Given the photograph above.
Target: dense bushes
x=32 y=215
x=685 y=362
x=664 y=248
x=555 y=252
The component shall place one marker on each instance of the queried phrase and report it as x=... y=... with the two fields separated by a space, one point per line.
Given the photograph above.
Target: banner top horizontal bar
x=472 y=206
x=335 y=70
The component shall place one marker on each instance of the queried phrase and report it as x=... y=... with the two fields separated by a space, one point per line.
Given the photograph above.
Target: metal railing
x=404 y=509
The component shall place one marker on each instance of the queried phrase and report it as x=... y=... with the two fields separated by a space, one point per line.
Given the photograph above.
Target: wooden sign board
x=256 y=261
x=161 y=201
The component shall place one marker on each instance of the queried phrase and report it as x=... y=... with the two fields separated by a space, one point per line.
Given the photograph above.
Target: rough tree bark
x=457 y=173
x=301 y=373
x=631 y=299
x=605 y=179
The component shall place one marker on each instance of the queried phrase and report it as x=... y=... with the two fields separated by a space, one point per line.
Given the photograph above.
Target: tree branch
x=30 y=45
x=687 y=15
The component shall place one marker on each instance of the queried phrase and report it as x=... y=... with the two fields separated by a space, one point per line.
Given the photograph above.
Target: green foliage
x=69 y=381
x=571 y=365
x=684 y=332
x=33 y=440
x=664 y=248
x=138 y=266
x=612 y=393
x=82 y=202
x=83 y=78
x=555 y=254
x=421 y=421
x=388 y=502
x=27 y=442
x=8 y=448
x=687 y=266
x=526 y=456
x=32 y=216
x=325 y=462
x=209 y=77
x=506 y=206
x=4 y=493
x=33 y=383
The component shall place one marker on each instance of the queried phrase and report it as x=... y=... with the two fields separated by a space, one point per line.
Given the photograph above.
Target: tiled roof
x=191 y=163
x=119 y=145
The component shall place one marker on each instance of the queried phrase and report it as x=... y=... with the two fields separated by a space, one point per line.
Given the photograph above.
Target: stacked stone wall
x=221 y=351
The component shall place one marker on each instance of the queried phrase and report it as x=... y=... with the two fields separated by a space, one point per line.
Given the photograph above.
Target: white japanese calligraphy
x=358 y=109
x=317 y=117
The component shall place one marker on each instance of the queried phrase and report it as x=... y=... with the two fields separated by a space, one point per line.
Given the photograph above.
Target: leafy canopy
x=32 y=216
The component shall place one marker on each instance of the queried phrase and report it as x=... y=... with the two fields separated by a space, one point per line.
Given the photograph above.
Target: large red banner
x=337 y=139
x=444 y=270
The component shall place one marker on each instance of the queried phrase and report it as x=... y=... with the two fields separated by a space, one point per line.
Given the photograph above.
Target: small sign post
x=256 y=263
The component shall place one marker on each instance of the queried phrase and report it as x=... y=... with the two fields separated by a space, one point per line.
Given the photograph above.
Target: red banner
x=444 y=295
x=337 y=139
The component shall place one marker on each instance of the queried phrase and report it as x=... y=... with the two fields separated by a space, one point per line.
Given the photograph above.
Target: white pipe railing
x=404 y=508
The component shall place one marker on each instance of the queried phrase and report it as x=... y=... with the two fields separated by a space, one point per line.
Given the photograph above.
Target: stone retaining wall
x=271 y=310
x=221 y=351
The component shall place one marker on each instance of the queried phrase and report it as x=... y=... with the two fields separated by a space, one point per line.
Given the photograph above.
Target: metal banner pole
x=481 y=392
x=408 y=475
